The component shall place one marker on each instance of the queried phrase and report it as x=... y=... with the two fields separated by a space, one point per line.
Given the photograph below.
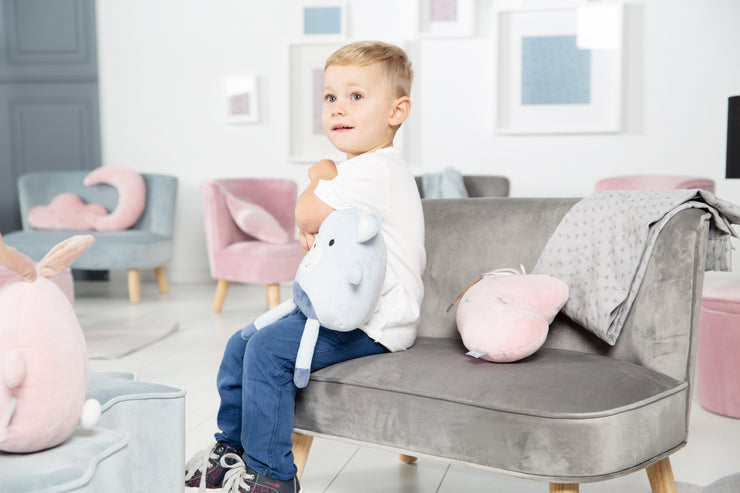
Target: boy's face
x=358 y=108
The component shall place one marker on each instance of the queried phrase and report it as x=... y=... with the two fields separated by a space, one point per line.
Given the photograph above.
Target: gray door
x=49 y=115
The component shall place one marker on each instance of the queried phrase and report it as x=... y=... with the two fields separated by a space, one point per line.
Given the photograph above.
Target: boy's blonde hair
x=396 y=63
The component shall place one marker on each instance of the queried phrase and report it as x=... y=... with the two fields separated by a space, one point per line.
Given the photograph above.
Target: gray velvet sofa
x=577 y=411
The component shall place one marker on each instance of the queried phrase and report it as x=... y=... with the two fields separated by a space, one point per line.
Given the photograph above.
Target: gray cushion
x=90 y=460
x=554 y=400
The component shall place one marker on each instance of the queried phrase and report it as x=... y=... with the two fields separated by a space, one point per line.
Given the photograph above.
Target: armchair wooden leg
x=661 y=477
x=406 y=459
x=161 y=279
x=218 y=300
x=301 y=448
x=134 y=286
x=273 y=295
x=563 y=488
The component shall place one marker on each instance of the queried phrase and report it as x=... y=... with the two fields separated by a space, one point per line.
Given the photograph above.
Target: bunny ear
x=17 y=262
x=63 y=254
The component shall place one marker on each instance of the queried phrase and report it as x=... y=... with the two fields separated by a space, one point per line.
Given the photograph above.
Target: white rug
x=106 y=340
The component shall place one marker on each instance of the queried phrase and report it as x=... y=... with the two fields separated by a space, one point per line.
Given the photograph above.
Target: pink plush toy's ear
x=505 y=317
x=63 y=254
x=17 y=262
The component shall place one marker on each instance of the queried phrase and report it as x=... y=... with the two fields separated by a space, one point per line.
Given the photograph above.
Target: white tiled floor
x=189 y=359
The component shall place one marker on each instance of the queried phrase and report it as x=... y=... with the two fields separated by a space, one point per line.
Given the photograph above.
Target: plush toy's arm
x=305 y=353
x=280 y=311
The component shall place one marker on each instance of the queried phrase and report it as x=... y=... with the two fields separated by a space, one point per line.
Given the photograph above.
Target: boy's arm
x=310 y=210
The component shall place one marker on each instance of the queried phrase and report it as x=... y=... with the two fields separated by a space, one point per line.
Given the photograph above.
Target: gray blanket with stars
x=602 y=246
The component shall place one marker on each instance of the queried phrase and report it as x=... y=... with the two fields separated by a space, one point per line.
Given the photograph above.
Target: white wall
x=162 y=63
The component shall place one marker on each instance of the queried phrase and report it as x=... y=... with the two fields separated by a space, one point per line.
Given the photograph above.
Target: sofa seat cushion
x=585 y=408
x=128 y=249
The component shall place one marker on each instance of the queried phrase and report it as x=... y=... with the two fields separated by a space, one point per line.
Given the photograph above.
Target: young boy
x=366 y=99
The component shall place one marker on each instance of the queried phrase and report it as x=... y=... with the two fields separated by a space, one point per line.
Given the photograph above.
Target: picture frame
x=446 y=18
x=307 y=141
x=324 y=20
x=547 y=83
x=241 y=99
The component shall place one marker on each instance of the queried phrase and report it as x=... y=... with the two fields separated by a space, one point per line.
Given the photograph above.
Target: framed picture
x=548 y=80
x=447 y=18
x=241 y=99
x=324 y=19
x=307 y=141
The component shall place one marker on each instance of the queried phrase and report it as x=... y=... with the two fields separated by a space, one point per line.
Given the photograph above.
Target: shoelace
x=201 y=461
x=236 y=475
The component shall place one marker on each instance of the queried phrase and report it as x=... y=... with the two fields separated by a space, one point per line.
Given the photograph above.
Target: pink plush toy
x=43 y=357
x=505 y=316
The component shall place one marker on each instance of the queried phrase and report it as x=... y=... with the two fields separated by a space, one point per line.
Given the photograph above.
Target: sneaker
x=244 y=479
x=205 y=471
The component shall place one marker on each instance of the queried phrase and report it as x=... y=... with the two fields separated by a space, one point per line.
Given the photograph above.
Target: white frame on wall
x=241 y=99
x=602 y=113
x=306 y=143
x=463 y=24
x=321 y=5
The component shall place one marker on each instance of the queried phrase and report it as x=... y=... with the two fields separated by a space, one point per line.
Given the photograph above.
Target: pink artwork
x=443 y=10
x=239 y=104
x=318 y=100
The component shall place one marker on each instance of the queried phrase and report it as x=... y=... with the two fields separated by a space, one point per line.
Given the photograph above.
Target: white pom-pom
x=90 y=413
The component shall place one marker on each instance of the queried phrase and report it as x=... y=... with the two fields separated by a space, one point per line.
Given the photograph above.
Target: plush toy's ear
x=17 y=262
x=63 y=254
x=354 y=273
x=368 y=226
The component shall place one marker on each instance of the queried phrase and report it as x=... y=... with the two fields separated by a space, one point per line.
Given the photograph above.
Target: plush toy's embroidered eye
x=331 y=242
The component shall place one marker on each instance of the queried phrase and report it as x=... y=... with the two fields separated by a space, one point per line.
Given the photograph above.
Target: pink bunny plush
x=43 y=356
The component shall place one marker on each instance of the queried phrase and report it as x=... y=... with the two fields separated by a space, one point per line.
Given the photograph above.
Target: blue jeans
x=255 y=382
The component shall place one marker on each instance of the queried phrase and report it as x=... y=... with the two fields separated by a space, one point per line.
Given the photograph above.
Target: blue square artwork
x=322 y=20
x=555 y=71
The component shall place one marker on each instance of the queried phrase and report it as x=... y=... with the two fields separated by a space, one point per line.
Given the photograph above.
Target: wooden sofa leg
x=563 y=488
x=161 y=279
x=134 y=286
x=661 y=477
x=273 y=295
x=407 y=459
x=218 y=299
x=301 y=448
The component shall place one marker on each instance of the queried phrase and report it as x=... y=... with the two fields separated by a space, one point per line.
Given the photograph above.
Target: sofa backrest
x=465 y=238
x=39 y=188
x=478 y=186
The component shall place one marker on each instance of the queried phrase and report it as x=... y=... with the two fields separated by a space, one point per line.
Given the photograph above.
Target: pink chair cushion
x=718 y=364
x=64 y=280
x=66 y=212
x=131 y=196
x=654 y=182
x=255 y=221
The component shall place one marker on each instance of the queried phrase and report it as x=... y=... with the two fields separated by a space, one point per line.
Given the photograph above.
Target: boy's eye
x=356 y=97
x=330 y=99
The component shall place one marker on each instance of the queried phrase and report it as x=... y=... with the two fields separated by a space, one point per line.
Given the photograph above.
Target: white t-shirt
x=382 y=181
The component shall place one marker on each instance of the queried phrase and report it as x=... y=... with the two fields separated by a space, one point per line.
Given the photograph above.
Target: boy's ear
x=401 y=109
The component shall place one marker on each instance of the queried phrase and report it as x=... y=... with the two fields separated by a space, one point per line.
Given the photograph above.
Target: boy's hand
x=322 y=170
x=306 y=240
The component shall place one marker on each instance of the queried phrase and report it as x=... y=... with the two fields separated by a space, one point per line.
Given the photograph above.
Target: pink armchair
x=235 y=256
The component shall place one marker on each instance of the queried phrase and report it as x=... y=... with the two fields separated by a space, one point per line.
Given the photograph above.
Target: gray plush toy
x=338 y=283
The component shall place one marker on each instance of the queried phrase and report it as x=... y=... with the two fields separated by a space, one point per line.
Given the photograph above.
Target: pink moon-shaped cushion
x=131 y=196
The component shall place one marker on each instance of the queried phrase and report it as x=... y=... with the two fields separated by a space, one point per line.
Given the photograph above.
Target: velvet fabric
x=234 y=255
x=654 y=182
x=146 y=245
x=578 y=410
x=477 y=185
